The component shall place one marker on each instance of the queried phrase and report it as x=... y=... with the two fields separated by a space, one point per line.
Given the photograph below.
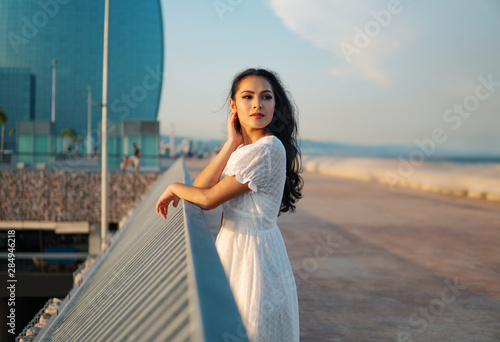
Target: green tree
x=3 y=121
x=68 y=133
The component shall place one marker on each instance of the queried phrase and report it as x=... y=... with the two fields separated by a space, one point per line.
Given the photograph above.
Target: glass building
x=145 y=134
x=17 y=94
x=34 y=33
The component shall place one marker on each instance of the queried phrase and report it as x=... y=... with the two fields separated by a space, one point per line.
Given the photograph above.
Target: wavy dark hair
x=284 y=127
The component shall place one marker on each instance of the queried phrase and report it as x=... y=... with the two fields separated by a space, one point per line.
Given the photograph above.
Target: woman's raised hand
x=166 y=197
x=233 y=136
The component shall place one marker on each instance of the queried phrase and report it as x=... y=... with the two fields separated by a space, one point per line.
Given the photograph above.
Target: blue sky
x=363 y=72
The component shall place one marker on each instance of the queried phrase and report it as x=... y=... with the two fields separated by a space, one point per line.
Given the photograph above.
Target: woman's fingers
x=232 y=132
x=165 y=199
x=164 y=211
x=159 y=205
x=162 y=207
x=232 y=120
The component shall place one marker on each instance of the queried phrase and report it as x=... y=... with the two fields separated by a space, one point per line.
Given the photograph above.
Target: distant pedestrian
x=95 y=151
x=255 y=176
x=132 y=159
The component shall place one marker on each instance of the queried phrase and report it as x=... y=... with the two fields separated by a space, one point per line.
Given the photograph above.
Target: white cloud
x=331 y=24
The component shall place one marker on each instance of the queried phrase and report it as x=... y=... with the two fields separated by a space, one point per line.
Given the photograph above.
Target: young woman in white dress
x=255 y=176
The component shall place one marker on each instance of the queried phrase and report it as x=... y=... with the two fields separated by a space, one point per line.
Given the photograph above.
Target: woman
x=255 y=176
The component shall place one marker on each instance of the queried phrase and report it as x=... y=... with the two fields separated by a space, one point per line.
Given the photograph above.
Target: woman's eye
x=267 y=97
x=247 y=97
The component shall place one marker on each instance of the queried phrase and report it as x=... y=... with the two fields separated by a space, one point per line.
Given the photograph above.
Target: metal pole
x=54 y=62
x=89 y=118
x=104 y=147
x=172 y=140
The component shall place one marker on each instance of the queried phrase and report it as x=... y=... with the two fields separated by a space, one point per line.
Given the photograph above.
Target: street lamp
x=54 y=62
x=104 y=147
x=89 y=119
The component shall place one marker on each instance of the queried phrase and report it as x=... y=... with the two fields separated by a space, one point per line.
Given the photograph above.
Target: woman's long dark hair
x=284 y=127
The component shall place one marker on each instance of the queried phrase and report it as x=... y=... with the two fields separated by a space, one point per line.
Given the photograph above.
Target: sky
x=369 y=72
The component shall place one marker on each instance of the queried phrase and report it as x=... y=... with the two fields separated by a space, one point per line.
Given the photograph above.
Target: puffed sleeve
x=250 y=164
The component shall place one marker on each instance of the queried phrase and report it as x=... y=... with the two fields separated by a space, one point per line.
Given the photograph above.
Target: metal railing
x=158 y=280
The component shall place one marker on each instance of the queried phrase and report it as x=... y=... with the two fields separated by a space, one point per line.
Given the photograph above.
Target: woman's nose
x=257 y=104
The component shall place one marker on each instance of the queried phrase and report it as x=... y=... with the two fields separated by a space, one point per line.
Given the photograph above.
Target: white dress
x=251 y=247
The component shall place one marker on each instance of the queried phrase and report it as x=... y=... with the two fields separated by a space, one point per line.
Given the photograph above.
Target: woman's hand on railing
x=166 y=197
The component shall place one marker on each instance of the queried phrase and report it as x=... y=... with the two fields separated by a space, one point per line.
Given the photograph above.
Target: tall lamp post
x=54 y=62
x=104 y=147
x=89 y=120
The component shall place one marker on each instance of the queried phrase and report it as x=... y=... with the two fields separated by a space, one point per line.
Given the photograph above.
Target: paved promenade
x=377 y=265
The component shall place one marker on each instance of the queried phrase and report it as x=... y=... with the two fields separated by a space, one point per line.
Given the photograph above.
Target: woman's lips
x=257 y=115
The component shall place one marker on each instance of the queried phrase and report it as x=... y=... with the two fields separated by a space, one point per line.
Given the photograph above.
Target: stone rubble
x=69 y=196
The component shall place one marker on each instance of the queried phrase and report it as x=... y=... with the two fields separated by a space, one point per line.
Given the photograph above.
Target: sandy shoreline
x=471 y=180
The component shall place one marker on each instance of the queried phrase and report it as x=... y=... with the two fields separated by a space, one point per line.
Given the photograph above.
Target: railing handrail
x=220 y=316
x=158 y=280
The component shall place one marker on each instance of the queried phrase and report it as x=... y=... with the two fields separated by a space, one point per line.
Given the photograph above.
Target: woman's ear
x=232 y=105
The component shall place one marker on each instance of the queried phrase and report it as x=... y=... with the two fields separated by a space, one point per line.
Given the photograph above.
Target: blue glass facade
x=33 y=33
x=17 y=98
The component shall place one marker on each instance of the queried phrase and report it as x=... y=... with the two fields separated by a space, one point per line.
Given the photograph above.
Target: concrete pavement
x=373 y=264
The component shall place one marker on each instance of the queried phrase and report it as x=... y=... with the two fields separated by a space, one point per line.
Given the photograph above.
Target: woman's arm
x=210 y=176
x=206 y=199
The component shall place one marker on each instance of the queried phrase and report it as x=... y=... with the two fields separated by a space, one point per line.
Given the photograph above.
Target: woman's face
x=254 y=103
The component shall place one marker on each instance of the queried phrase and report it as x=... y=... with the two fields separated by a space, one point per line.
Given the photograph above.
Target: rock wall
x=69 y=196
